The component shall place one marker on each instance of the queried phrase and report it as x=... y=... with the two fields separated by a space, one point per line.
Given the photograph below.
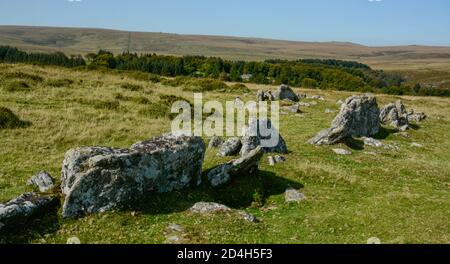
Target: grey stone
x=358 y=117
x=395 y=115
x=98 y=179
x=340 y=102
x=271 y=161
x=317 y=97
x=215 y=142
x=329 y=111
x=292 y=195
x=253 y=137
x=304 y=104
x=248 y=217
x=285 y=92
x=43 y=180
x=417 y=145
x=230 y=147
x=247 y=164
x=279 y=159
x=342 y=151
x=372 y=142
x=24 y=208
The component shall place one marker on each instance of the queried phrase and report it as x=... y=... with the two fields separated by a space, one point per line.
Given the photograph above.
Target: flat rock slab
x=207 y=208
x=99 y=179
x=342 y=151
x=246 y=165
x=24 y=208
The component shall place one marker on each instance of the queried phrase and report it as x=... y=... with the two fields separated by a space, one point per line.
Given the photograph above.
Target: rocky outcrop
x=285 y=92
x=230 y=147
x=43 y=181
x=359 y=116
x=247 y=164
x=395 y=115
x=24 y=208
x=253 y=137
x=98 y=179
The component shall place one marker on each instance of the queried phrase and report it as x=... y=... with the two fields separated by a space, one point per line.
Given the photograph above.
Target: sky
x=369 y=22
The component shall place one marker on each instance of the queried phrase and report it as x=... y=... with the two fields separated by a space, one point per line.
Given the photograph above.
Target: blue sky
x=370 y=22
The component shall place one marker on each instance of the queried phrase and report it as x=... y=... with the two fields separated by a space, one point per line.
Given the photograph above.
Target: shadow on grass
x=240 y=193
x=385 y=133
x=355 y=144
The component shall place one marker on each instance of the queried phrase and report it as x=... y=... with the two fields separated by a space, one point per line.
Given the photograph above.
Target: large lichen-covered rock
x=285 y=92
x=395 y=115
x=255 y=137
x=247 y=164
x=18 y=211
x=359 y=117
x=98 y=179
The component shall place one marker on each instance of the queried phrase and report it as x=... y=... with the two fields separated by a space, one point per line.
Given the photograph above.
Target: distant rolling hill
x=82 y=41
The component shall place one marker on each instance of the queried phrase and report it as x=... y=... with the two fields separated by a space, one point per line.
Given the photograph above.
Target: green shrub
x=131 y=87
x=146 y=77
x=59 y=82
x=9 y=120
x=17 y=86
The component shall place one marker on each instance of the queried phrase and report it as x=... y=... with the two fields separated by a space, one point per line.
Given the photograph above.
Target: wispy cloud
x=74 y=1
x=371 y=1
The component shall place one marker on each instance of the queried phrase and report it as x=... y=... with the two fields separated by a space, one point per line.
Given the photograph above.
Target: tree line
x=308 y=73
x=13 y=55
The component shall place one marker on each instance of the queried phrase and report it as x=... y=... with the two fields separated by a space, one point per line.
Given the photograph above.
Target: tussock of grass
x=10 y=120
x=131 y=87
x=17 y=86
x=146 y=77
x=59 y=82
x=100 y=104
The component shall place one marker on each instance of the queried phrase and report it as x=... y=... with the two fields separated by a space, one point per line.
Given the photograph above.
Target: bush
x=131 y=87
x=24 y=76
x=146 y=77
x=9 y=120
x=59 y=83
x=239 y=88
x=309 y=83
x=17 y=86
x=206 y=85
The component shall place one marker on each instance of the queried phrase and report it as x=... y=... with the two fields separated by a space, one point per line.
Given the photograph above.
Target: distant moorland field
x=83 y=41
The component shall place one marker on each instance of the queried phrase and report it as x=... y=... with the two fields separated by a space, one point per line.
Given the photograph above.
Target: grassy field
x=398 y=196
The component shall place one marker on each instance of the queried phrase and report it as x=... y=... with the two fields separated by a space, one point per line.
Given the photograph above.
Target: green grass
x=399 y=197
